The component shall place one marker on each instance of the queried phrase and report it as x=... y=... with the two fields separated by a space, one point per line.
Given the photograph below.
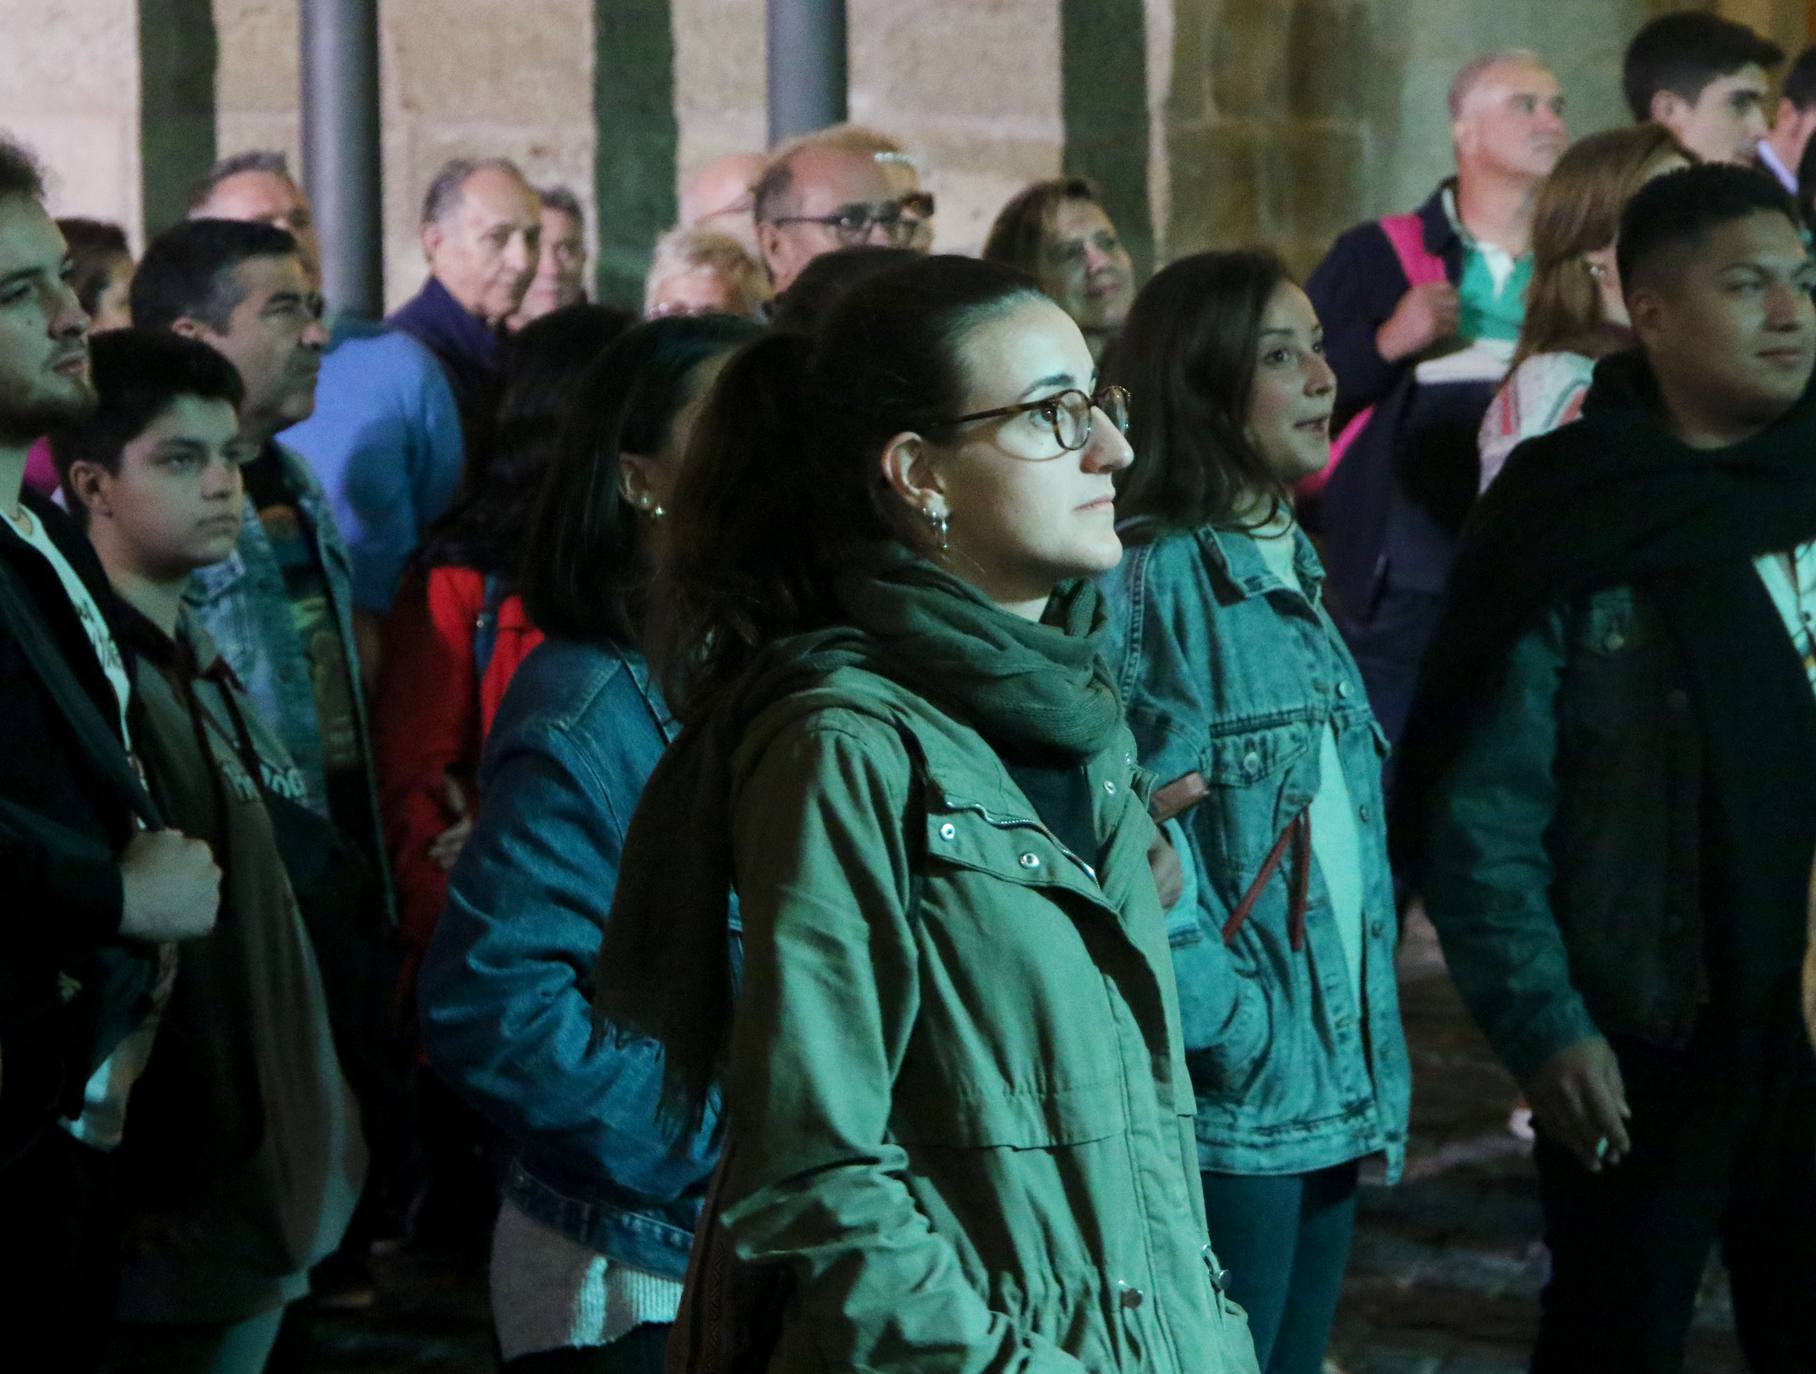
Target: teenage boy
x=93 y=886
x=1705 y=79
x=1610 y=791
x=245 y=1156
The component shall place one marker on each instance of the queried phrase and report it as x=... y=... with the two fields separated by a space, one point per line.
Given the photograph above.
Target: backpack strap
x=1406 y=236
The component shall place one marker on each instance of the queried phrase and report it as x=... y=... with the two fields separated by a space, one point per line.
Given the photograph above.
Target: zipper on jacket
x=1019 y=823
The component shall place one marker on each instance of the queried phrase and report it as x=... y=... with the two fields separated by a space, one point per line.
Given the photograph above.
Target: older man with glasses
x=842 y=187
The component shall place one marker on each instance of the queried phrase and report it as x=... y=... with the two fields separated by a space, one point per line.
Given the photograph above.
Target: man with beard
x=96 y=891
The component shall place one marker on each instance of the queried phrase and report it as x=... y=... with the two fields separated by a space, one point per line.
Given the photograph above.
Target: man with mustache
x=97 y=888
x=1395 y=294
x=281 y=607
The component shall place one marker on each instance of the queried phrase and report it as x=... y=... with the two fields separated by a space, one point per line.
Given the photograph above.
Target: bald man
x=840 y=187
x=1448 y=279
x=716 y=197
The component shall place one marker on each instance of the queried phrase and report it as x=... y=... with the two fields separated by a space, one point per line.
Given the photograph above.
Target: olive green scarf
x=664 y=965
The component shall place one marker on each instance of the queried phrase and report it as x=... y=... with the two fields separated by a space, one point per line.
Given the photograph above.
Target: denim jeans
x=1284 y=1239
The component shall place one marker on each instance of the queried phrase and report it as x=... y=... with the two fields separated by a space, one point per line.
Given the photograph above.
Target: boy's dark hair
x=1800 y=81
x=138 y=373
x=95 y=249
x=20 y=174
x=1684 y=52
x=187 y=272
x=1679 y=209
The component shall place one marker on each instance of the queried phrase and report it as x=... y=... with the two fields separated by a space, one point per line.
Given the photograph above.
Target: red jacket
x=431 y=717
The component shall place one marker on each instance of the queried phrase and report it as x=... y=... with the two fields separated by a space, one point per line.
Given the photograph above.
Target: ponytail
x=783 y=479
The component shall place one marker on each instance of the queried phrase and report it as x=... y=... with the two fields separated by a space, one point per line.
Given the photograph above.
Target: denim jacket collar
x=1236 y=562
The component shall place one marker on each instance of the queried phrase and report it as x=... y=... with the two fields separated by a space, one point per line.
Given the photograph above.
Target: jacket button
x=1251 y=762
x=948 y=831
x=1362 y=814
x=1109 y=788
x=1344 y=689
x=1377 y=928
x=1615 y=642
x=1129 y=1298
x=1030 y=861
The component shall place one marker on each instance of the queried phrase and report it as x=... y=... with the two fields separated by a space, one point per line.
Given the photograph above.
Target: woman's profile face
x=1085 y=267
x=1294 y=391
x=1024 y=511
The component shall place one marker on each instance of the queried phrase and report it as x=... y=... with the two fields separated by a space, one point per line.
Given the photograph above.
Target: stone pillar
x=177 y=55
x=1104 y=106
x=638 y=138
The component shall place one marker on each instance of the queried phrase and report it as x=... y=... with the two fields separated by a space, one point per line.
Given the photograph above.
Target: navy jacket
x=467 y=349
x=505 y=991
x=70 y=988
x=1387 y=519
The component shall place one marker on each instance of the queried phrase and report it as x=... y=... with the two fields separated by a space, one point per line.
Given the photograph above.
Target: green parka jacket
x=961 y=1116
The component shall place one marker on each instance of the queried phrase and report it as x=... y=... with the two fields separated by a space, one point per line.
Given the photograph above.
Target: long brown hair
x=1187 y=357
x=1579 y=211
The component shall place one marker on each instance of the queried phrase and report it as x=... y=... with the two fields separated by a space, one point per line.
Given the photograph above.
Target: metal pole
x=807 y=78
x=340 y=149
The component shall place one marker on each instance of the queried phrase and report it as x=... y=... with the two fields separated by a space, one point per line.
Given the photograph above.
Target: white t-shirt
x=1336 y=839
x=103 y=1119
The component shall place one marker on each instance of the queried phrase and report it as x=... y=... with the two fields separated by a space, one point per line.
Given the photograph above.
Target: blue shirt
x=385 y=443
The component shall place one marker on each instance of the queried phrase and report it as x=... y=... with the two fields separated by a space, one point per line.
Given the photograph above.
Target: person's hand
x=171 y=887
x=445 y=848
x=1579 y=1101
x=1163 y=863
x=1425 y=314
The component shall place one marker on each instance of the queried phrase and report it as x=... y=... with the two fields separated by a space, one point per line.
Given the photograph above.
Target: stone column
x=638 y=138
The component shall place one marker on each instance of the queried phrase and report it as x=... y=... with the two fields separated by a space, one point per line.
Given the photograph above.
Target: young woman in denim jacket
x=1246 y=704
x=601 y=1198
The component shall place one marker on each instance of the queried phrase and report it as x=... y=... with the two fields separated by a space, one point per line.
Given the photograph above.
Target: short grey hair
x=682 y=250
x=445 y=191
x=1476 y=68
x=562 y=201
x=267 y=160
x=775 y=183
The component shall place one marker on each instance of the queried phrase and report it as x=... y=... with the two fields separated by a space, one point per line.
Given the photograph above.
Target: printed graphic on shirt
x=313 y=615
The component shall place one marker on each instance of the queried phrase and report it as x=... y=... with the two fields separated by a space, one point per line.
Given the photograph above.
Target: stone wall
x=1208 y=122
x=72 y=93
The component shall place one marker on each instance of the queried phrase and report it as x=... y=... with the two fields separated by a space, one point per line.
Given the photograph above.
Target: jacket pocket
x=966 y=1117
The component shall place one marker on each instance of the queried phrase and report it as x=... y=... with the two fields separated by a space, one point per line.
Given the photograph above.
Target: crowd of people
x=863 y=819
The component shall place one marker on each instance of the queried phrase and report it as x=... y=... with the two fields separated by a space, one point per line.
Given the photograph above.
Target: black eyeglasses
x=900 y=220
x=1069 y=413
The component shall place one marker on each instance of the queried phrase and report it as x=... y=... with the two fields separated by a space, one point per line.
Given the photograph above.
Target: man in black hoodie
x=95 y=890
x=1609 y=791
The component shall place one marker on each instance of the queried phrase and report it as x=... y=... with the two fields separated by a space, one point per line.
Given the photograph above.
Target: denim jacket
x=242 y=604
x=505 y=991
x=1232 y=674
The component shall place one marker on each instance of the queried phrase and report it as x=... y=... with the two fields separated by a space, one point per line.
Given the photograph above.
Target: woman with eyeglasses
x=959 y=1116
x=1058 y=232
x=1247 y=705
